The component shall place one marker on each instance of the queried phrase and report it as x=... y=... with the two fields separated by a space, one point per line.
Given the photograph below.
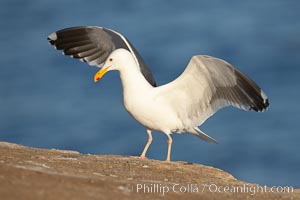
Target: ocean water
x=50 y=101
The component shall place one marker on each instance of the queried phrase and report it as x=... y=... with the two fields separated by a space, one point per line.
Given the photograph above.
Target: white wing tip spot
x=52 y=36
x=264 y=96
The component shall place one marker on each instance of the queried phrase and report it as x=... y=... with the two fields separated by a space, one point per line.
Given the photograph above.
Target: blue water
x=48 y=100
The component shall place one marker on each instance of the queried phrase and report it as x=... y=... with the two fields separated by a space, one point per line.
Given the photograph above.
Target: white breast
x=150 y=111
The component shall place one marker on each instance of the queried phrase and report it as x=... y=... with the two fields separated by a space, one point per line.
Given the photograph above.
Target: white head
x=120 y=59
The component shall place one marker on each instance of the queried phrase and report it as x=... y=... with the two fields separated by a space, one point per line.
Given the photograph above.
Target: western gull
x=206 y=85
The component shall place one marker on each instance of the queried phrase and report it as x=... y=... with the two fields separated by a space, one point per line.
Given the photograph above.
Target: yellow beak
x=100 y=73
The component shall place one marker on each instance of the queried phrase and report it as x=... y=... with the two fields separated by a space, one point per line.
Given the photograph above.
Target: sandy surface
x=30 y=173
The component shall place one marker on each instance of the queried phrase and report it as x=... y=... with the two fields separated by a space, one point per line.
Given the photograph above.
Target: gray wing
x=209 y=84
x=94 y=44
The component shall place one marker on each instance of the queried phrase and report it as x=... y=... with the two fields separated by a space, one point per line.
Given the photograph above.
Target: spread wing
x=207 y=85
x=93 y=44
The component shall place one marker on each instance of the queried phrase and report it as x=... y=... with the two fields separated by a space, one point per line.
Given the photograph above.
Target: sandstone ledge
x=31 y=173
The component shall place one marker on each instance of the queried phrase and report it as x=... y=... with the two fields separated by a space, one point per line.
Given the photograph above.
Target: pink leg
x=143 y=155
x=169 y=148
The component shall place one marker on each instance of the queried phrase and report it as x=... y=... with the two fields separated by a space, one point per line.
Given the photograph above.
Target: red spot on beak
x=98 y=78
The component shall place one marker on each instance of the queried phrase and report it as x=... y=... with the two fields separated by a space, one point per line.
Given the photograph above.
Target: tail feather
x=196 y=131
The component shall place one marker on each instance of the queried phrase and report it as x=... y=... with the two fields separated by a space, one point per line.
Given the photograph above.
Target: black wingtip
x=261 y=106
x=52 y=37
x=266 y=104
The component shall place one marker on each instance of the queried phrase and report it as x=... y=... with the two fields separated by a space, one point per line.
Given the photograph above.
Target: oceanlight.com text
x=164 y=189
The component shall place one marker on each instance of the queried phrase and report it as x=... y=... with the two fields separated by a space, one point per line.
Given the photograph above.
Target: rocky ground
x=31 y=173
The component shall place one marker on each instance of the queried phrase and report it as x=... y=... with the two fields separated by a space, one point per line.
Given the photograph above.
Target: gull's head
x=117 y=60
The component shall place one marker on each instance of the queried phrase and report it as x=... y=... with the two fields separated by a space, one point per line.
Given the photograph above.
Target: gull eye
x=110 y=59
